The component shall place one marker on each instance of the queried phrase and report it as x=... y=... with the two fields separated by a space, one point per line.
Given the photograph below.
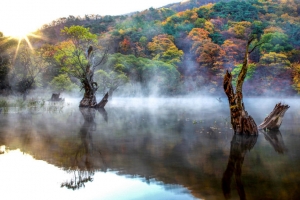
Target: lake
x=147 y=148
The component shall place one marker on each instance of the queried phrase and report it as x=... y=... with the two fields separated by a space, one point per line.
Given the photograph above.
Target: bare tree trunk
x=242 y=123
x=274 y=119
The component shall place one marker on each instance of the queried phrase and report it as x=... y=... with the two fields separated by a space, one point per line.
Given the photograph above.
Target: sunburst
x=21 y=38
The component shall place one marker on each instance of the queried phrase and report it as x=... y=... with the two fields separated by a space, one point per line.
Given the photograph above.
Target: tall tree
x=79 y=58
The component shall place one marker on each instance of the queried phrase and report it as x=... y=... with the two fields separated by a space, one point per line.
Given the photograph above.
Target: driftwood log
x=274 y=119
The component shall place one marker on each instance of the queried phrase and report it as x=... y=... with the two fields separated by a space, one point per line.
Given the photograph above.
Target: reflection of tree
x=85 y=161
x=275 y=139
x=240 y=144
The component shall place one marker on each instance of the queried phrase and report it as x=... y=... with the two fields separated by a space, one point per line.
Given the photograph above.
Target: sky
x=19 y=17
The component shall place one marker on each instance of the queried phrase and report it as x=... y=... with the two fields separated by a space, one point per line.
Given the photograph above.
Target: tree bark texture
x=90 y=87
x=242 y=123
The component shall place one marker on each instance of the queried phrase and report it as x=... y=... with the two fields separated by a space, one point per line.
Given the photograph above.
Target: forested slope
x=183 y=48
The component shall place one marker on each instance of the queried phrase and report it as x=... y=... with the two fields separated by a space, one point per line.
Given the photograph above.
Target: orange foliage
x=125 y=45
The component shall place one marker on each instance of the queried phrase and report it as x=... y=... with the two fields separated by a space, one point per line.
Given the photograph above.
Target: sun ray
x=17 y=50
x=28 y=42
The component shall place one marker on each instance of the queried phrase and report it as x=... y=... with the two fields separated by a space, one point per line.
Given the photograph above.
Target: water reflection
x=84 y=160
x=274 y=137
x=240 y=144
x=179 y=150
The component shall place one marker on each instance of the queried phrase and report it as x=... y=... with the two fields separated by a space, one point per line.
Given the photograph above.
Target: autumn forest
x=180 y=49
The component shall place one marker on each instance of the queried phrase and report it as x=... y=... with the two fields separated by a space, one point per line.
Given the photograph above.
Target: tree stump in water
x=274 y=119
x=55 y=97
x=90 y=87
x=241 y=122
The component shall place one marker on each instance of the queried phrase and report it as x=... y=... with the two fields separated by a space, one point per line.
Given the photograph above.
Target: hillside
x=185 y=48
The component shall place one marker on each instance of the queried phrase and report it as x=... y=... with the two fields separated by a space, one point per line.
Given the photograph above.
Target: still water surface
x=148 y=149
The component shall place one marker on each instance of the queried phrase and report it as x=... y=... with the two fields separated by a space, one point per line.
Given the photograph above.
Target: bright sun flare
x=21 y=17
x=17 y=32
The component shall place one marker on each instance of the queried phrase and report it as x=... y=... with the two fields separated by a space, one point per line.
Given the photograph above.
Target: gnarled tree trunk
x=90 y=87
x=242 y=123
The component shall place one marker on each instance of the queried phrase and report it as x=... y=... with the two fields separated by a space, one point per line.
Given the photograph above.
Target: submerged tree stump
x=90 y=87
x=274 y=119
x=55 y=97
x=241 y=122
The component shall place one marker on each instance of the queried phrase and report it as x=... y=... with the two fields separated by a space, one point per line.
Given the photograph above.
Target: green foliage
x=79 y=34
x=235 y=72
x=111 y=78
x=71 y=54
x=148 y=72
x=62 y=82
x=217 y=38
x=293 y=32
x=275 y=42
x=235 y=10
x=200 y=23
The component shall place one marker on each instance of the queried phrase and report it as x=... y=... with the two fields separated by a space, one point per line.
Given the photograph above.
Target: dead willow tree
x=240 y=120
x=243 y=123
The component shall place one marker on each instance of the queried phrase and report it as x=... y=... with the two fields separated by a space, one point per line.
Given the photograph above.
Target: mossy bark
x=242 y=123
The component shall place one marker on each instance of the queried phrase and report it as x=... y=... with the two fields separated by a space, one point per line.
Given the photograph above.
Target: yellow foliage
x=121 y=32
x=209 y=27
x=296 y=76
x=273 y=29
x=207 y=6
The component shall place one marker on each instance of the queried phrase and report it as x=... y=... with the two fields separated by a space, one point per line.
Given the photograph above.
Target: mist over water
x=178 y=147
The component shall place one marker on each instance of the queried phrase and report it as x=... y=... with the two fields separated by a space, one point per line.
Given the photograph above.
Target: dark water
x=148 y=149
